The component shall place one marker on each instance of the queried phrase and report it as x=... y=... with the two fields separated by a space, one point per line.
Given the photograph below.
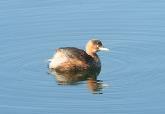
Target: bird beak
x=103 y=49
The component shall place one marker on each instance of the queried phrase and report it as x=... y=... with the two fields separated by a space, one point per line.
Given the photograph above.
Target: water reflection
x=74 y=78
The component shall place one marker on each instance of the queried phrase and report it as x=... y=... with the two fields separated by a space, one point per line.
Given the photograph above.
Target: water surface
x=133 y=71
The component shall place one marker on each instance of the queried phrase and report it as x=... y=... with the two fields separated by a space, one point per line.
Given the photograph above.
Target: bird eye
x=99 y=43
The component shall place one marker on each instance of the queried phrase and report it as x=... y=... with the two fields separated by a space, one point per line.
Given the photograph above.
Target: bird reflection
x=74 y=78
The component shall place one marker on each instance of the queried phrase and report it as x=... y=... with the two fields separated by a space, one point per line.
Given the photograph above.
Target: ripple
x=135 y=63
x=28 y=64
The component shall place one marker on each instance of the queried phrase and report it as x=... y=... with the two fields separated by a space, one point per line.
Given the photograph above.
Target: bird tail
x=49 y=60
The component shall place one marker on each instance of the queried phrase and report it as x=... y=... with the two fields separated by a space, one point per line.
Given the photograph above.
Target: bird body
x=74 y=59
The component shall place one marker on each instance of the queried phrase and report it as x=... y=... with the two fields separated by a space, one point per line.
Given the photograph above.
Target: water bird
x=68 y=59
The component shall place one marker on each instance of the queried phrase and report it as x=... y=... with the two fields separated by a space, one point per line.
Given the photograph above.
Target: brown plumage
x=74 y=59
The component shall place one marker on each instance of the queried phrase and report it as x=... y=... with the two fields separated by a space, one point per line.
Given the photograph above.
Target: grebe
x=74 y=59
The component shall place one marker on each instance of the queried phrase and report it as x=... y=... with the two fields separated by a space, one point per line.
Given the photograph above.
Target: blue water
x=132 y=72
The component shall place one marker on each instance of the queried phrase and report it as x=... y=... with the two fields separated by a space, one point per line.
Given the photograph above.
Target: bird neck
x=92 y=54
x=90 y=51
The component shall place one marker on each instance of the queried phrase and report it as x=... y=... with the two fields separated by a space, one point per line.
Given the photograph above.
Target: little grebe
x=74 y=59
